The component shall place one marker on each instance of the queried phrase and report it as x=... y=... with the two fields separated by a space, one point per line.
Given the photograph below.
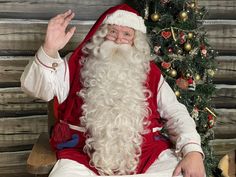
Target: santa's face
x=120 y=34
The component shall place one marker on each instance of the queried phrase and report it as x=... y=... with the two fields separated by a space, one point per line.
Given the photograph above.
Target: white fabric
x=42 y=80
x=162 y=167
x=126 y=18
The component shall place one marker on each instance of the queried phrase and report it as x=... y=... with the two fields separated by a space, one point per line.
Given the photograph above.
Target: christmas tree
x=181 y=50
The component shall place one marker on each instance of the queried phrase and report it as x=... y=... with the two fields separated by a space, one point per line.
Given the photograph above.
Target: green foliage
x=186 y=59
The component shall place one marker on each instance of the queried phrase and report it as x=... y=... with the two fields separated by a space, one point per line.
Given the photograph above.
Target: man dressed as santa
x=111 y=102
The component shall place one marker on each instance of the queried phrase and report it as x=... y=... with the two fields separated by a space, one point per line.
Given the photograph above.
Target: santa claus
x=109 y=100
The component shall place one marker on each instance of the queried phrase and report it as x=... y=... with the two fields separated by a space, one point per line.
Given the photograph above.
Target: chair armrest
x=42 y=158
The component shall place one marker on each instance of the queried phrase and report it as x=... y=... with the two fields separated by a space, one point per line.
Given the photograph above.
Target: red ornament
x=170 y=50
x=166 y=34
x=211 y=121
x=204 y=52
x=165 y=65
x=182 y=83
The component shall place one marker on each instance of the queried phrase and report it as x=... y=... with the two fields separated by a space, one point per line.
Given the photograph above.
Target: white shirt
x=46 y=77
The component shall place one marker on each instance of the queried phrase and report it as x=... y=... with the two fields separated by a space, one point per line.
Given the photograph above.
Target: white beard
x=114 y=107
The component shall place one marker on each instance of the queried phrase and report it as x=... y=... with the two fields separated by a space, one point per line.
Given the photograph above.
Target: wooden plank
x=222 y=146
x=219 y=9
x=21 y=132
x=23 y=125
x=14 y=102
x=11 y=68
x=92 y=9
x=226 y=70
x=225 y=124
x=33 y=9
x=221 y=34
x=13 y=162
x=225 y=96
x=25 y=36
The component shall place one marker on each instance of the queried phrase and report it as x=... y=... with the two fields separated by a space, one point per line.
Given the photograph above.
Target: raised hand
x=57 y=36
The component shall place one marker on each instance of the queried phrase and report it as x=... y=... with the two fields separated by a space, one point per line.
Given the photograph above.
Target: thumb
x=70 y=33
x=177 y=170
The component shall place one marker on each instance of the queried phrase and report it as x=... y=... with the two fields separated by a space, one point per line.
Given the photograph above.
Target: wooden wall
x=22 y=30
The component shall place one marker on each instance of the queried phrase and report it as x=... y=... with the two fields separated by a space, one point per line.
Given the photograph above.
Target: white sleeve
x=180 y=125
x=46 y=77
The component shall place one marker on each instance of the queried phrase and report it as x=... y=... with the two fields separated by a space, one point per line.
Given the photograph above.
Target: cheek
x=110 y=37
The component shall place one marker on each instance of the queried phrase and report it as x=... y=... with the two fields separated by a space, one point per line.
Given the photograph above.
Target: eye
x=112 y=31
x=127 y=34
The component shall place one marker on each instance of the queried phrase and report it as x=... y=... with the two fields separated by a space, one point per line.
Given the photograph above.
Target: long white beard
x=114 y=107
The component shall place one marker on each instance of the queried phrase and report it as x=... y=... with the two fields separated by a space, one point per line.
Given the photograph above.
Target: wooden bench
x=227 y=164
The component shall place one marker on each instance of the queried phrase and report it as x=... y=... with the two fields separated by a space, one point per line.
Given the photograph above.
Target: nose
x=119 y=38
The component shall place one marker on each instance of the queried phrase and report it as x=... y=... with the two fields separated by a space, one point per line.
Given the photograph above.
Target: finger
x=63 y=15
x=70 y=33
x=177 y=171
x=68 y=19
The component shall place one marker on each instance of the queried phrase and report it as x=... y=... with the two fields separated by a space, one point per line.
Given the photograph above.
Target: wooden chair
x=228 y=164
x=42 y=158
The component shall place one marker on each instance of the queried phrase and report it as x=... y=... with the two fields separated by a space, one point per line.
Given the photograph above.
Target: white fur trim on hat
x=126 y=18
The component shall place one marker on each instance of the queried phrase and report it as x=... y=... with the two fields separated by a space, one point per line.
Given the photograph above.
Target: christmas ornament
x=155 y=16
x=211 y=121
x=187 y=46
x=204 y=52
x=157 y=49
x=211 y=72
x=183 y=15
x=165 y=65
x=192 y=84
x=182 y=37
x=146 y=11
x=188 y=75
x=195 y=113
x=173 y=72
x=173 y=34
x=182 y=83
x=192 y=5
x=212 y=113
x=197 y=77
x=166 y=34
x=179 y=51
x=170 y=50
x=177 y=93
x=190 y=35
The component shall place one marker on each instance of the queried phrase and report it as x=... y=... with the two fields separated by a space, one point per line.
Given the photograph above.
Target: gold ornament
x=192 y=5
x=197 y=77
x=190 y=35
x=177 y=93
x=188 y=75
x=183 y=15
x=173 y=72
x=187 y=46
x=211 y=72
x=155 y=16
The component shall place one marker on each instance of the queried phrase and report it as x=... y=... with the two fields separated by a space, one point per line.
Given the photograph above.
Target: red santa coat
x=153 y=143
